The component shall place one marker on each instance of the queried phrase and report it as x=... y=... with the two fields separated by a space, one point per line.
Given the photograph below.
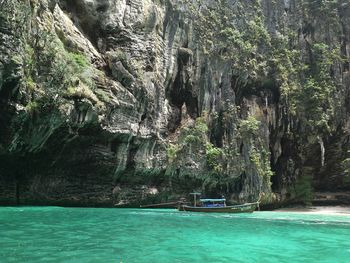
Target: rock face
x=106 y=103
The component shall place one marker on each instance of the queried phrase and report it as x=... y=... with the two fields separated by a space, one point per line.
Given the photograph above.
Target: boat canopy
x=212 y=200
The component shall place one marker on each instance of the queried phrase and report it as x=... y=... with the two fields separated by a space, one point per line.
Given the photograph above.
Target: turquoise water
x=54 y=234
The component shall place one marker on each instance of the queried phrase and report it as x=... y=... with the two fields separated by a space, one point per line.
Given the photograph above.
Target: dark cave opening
x=217 y=131
x=180 y=93
x=86 y=20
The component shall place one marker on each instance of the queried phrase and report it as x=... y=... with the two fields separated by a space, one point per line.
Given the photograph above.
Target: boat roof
x=213 y=200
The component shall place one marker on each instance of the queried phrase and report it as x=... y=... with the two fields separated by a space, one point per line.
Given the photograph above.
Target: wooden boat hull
x=245 y=208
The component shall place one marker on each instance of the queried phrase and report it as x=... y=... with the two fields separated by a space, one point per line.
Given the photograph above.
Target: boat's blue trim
x=229 y=206
x=212 y=200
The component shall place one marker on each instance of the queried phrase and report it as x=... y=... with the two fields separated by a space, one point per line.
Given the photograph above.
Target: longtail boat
x=218 y=206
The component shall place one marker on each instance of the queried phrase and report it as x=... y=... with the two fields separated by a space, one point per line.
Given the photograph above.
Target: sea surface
x=55 y=234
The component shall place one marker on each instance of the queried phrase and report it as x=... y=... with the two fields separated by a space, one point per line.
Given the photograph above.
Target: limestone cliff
x=121 y=102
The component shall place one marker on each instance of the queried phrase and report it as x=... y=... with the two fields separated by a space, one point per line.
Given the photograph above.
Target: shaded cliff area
x=111 y=103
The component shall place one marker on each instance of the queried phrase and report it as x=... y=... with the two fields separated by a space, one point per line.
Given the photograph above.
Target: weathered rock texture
x=106 y=102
